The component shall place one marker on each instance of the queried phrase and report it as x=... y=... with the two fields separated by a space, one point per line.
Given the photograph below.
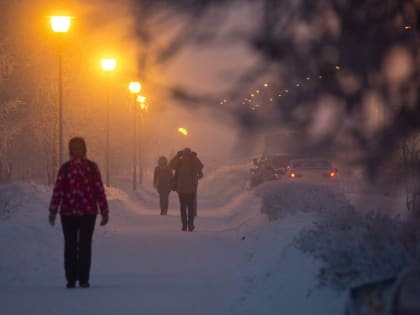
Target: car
x=260 y=172
x=269 y=167
x=312 y=170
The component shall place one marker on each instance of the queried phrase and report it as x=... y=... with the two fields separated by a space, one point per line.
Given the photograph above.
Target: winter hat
x=163 y=161
x=77 y=147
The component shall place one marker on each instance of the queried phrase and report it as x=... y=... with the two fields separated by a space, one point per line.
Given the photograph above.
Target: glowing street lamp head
x=141 y=99
x=183 y=131
x=108 y=64
x=134 y=87
x=60 y=24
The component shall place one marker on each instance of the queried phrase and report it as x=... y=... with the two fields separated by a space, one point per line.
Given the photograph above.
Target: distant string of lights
x=249 y=99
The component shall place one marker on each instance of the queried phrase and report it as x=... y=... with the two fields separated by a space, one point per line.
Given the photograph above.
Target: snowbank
x=14 y=196
x=277 y=277
x=356 y=247
x=280 y=199
x=352 y=244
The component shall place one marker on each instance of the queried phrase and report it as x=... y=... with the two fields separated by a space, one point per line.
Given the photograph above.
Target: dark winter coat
x=163 y=179
x=188 y=170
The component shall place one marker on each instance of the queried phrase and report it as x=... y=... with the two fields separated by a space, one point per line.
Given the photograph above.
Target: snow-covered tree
x=11 y=125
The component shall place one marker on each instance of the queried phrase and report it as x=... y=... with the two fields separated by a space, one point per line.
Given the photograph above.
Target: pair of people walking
x=181 y=174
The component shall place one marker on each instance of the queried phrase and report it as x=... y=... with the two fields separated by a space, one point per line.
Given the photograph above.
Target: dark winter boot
x=84 y=285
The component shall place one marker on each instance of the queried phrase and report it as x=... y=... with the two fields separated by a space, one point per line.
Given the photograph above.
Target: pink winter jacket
x=79 y=189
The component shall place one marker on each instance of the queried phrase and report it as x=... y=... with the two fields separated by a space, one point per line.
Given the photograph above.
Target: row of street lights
x=60 y=25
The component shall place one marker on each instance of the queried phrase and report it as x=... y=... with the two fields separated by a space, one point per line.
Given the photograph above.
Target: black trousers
x=187 y=203
x=164 y=202
x=78 y=231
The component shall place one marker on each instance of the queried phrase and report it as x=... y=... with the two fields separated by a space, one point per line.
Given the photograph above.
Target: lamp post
x=143 y=108
x=134 y=87
x=108 y=65
x=60 y=25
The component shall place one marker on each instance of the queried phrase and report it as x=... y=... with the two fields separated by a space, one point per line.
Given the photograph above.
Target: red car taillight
x=333 y=174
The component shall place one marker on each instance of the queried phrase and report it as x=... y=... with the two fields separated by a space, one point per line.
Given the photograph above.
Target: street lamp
x=142 y=100
x=134 y=87
x=143 y=108
x=183 y=131
x=108 y=65
x=60 y=25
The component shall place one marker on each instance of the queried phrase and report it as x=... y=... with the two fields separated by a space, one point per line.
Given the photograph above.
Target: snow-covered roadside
x=354 y=238
x=25 y=238
x=279 y=278
x=237 y=262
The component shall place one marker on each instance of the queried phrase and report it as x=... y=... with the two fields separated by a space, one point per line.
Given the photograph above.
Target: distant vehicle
x=269 y=167
x=312 y=170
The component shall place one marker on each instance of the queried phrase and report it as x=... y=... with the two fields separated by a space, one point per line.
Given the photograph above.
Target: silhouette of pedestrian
x=188 y=170
x=163 y=181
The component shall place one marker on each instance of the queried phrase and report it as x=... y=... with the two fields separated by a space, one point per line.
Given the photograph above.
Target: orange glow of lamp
x=134 y=87
x=60 y=24
x=183 y=131
x=141 y=99
x=108 y=64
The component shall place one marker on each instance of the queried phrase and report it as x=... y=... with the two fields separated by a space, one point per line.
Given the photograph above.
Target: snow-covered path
x=234 y=263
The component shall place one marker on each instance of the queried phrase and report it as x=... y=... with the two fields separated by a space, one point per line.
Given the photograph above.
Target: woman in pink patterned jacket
x=77 y=195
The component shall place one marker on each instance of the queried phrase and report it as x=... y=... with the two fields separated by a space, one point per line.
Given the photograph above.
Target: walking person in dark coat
x=77 y=195
x=162 y=181
x=188 y=170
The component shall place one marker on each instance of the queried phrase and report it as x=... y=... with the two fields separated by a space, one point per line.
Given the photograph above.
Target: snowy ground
x=236 y=262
